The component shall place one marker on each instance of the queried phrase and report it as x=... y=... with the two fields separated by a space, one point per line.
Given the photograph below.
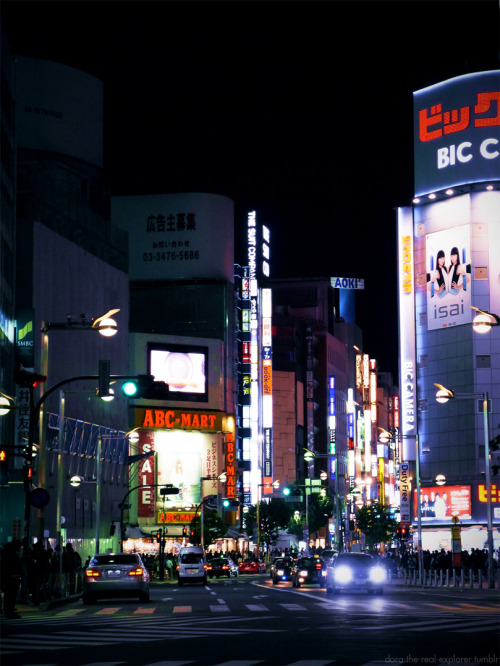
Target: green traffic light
x=286 y=491
x=130 y=388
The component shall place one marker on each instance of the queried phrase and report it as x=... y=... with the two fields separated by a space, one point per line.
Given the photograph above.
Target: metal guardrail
x=463 y=579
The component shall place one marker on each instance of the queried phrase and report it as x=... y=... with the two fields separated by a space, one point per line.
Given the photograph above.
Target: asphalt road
x=247 y=621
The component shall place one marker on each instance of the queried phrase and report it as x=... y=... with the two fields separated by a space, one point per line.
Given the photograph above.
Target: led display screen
x=441 y=503
x=184 y=368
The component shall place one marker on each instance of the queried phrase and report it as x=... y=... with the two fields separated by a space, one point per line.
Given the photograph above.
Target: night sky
x=301 y=111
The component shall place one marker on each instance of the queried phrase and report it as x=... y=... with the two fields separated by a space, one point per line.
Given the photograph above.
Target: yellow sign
x=176 y=517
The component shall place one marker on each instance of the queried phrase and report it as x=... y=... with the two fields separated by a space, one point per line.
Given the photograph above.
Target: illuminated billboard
x=457 y=132
x=441 y=503
x=183 y=368
x=448 y=277
x=177 y=236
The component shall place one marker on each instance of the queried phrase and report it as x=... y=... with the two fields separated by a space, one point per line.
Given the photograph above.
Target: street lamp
x=442 y=396
x=484 y=320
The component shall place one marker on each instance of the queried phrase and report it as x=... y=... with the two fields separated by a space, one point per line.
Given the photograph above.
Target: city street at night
x=247 y=620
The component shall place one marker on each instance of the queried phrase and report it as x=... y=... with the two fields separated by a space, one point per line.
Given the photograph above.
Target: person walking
x=11 y=573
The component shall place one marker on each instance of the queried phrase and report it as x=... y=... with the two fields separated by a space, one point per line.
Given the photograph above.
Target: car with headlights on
x=115 y=575
x=221 y=566
x=355 y=571
x=282 y=570
x=308 y=571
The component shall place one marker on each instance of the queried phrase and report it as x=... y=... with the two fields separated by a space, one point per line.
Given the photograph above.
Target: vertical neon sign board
x=407 y=356
x=267 y=390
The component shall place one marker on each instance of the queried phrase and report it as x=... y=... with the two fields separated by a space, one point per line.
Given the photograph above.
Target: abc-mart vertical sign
x=457 y=132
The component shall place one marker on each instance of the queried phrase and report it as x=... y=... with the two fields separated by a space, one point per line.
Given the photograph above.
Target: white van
x=191 y=566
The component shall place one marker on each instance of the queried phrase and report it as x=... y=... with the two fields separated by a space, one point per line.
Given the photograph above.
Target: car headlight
x=342 y=574
x=377 y=574
x=323 y=572
x=303 y=573
x=281 y=572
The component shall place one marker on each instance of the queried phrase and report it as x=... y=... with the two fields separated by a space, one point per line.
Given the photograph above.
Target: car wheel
x=88 y=599
x=144 y=596
x=180 y=582
x=330 y=590
x=204 y=581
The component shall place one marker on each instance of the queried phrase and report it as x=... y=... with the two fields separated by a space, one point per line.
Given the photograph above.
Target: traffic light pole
x=34 y=420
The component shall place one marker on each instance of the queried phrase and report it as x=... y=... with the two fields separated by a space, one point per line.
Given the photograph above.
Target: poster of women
x=448 y=266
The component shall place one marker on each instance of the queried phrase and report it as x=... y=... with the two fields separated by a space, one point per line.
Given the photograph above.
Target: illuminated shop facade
x=449 y=263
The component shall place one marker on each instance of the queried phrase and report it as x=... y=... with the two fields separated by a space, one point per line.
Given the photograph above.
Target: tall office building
x=449 y=264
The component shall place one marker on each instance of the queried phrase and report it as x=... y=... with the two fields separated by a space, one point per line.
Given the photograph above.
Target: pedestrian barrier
x=449 y=578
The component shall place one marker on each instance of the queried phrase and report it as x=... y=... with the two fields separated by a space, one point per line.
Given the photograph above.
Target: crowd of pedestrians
x=38 y=575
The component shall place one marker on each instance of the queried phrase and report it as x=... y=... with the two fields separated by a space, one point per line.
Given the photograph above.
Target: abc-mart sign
x=457 y=132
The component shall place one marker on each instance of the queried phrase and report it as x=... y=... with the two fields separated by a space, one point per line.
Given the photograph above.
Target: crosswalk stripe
x=219 y=609
x=452 y=626
x=144 y=611
x=256 y=607
x=183 y=609
x=293 y=607
x=107 y=611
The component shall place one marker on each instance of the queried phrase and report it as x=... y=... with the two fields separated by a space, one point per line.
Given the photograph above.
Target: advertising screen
x=457 y=132
x=182 y=367
x=441 y=503
x=448 y=278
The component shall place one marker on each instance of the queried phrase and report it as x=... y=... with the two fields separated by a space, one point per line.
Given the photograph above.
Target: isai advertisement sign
x=448 y=269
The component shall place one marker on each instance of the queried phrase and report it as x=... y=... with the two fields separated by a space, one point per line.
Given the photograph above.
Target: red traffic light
x=26 y=378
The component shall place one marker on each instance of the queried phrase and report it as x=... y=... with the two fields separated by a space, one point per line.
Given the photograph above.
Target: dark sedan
x=355 y=571
x=221 y=566
x=309 y=571
x=282 y=570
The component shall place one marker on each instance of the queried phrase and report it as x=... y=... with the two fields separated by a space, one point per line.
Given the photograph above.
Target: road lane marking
x=144 y=611
x=256 y=607
x=183 y=609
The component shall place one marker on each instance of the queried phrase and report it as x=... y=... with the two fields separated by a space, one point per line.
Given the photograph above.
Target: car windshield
x=220 y=562
x=364 y=561
x=191 y=558
x=114 y=559
x=282 y=563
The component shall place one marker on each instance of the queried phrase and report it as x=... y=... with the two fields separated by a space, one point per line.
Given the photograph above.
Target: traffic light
x=230 y=504
x=145 y=386
x=286 y=491
x=4 y=467
x=184 y=531
x=26 y=378
x=104 y=369
x=28 y=478
x=495 y=462
x=112 y=529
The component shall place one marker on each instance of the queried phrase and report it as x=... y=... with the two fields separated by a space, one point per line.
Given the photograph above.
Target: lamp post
x=484 y=320
x=275 y=485
x=103 y=325
x=222 y=478
x=442 y=396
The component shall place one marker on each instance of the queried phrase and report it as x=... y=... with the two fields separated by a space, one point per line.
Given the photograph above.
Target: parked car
x=282 y=570
x=309 y=571
x=252 y=566
x=221 y=566
x=115 y=575
x=355 y=571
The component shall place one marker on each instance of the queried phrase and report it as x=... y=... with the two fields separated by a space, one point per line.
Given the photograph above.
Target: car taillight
x=92 y=573
x=318 y=566
x=224 y=566
x=138 y=571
